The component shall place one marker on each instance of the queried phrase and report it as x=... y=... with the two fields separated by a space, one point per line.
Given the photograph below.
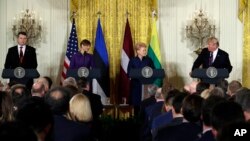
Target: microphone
x=84 y=58
x=83 y=53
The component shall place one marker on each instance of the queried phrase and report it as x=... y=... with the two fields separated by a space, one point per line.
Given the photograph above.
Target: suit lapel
x=16 y=52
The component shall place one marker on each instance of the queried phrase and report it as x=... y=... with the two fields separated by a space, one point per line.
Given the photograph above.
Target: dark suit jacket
x=144 y=104
x=95 y=103
x=167 y=123
x=221 y=60
x=154 y=111
x=29 y=60
x=136 y=85
x=97 y=109
x=207 y=136
x=181 y=132
x=67 y=130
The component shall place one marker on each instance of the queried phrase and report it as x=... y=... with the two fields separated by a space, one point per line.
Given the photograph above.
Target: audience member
x=46 y=81
x=191 y=88
x=189 y=129
x=151 y=112
x=207 y=107
x=166 y=116
x=175 y=116
x=223 y=83
x=95 y=103
x=36 y=114
x=217 y=91
x=58 y=100
x=38 y=89
x=151 y=90
x=95 y=100
x=205 y=94
x=233 y=87
x=225 y=113
x=242 y=97
x=49 y=80
x=64 y=129
x=69 y=81
x=19 y=93
x=229 y=132
x=79 y=109
x=201 y=86
x=16 y=131
x=73 y=90
x=6 y=107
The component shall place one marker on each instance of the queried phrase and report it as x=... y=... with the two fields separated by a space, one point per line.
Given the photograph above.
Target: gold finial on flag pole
x=127 y=13
x=73 y=15
x=99 y=14
x=154 y=14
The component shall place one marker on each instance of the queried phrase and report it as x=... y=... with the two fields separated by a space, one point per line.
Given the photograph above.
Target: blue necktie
x=210 y=58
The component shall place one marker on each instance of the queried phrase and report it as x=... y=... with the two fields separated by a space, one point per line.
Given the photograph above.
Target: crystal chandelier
x=199 y=29
x=27 y=21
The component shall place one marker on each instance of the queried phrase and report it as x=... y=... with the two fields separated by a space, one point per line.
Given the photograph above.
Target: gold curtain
x=244 y=16
x=113 y=20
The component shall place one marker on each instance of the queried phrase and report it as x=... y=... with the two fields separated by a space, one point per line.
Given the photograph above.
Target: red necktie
x=21 y=55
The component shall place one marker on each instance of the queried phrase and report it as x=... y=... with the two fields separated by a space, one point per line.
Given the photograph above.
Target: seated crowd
x=71 y=112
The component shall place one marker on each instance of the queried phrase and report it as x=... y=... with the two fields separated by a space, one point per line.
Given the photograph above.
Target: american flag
x=72 y=48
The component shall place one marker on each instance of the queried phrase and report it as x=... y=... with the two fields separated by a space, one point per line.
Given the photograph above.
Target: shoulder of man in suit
x=30 y=48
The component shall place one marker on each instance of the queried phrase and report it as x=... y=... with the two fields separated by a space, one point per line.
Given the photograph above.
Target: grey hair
x=158 y=94
x=242 y=96
x=152 y=90
x=70 y=81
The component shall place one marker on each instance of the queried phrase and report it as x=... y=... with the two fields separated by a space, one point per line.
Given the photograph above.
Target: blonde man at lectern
x=212 y=56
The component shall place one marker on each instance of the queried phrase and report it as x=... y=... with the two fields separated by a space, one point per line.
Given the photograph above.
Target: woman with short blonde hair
x=140 y=45
x=79 y=108
x=140 y=61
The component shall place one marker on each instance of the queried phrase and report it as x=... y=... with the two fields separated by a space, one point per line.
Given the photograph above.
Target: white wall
x=55 y=19
x=178 y=52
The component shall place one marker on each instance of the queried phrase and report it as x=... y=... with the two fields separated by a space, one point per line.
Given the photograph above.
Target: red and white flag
x=126 y=53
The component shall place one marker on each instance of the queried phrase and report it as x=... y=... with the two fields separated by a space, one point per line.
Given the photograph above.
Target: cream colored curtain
x=113 y=20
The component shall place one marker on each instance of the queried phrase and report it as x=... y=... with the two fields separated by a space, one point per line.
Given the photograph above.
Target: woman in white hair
x=69 y=81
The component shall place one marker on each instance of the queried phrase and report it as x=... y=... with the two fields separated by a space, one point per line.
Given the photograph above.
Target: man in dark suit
x=190 y=128
x=21 y=55
x=95 y=103
x=212 y=56
x=14 y=58
x=65 y=129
